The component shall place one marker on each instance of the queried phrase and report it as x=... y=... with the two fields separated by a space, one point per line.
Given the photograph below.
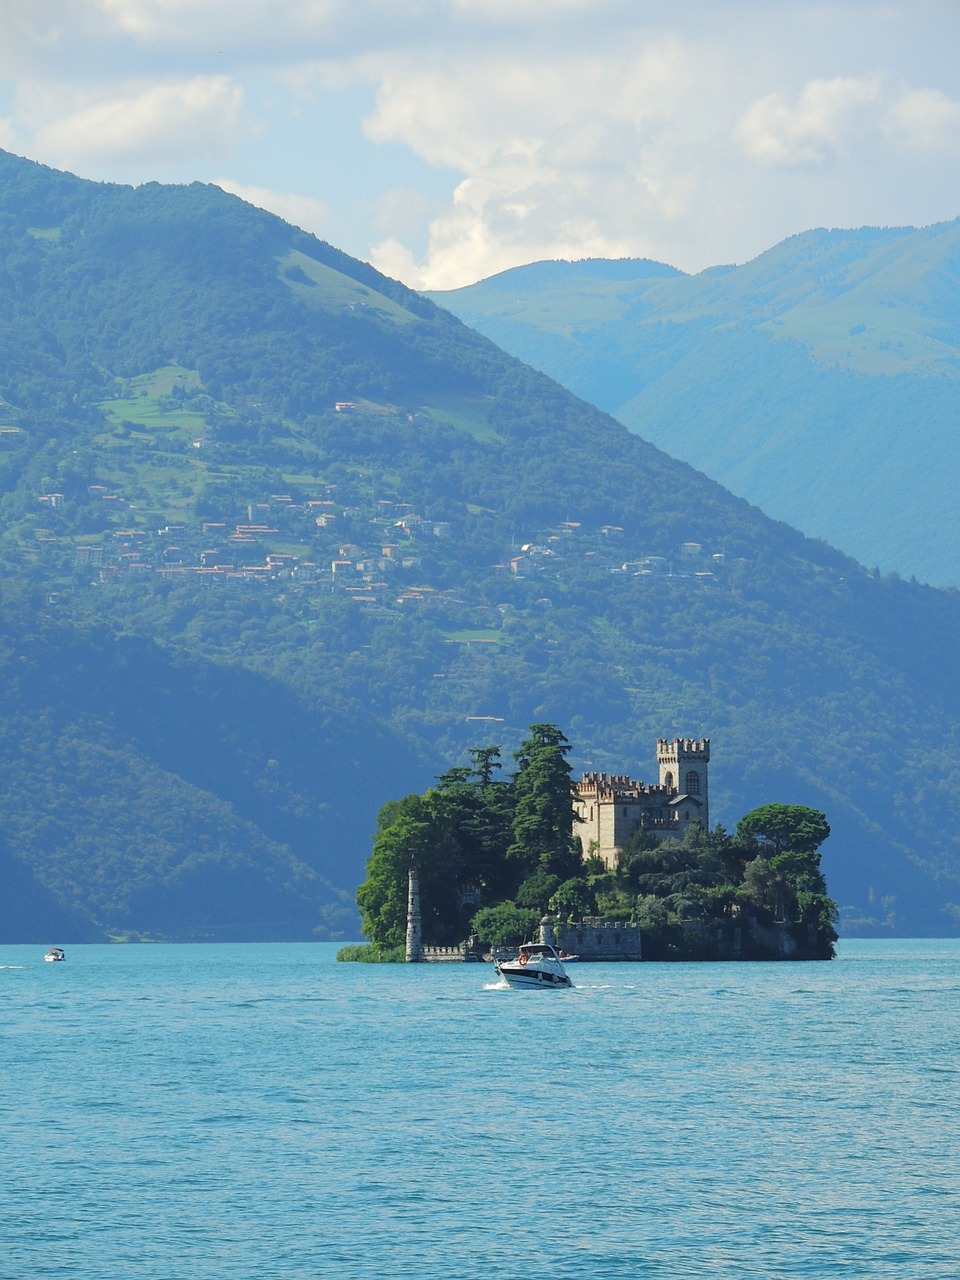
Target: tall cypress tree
x=543 y=812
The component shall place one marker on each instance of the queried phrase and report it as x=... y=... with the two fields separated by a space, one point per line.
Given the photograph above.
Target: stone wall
x=599 y=940
x=464 y=954
x=745 y=939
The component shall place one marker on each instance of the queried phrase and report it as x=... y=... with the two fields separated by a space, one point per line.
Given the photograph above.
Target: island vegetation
x=494 y=854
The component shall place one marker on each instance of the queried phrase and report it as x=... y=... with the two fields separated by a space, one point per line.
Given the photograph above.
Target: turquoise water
x=260 y=1111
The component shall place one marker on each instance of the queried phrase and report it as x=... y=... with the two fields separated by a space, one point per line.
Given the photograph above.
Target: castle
x=611 y=809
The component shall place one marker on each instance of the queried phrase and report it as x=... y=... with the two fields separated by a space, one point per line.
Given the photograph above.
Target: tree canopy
x=786 y=827
x=494 y=855
x=543 y=812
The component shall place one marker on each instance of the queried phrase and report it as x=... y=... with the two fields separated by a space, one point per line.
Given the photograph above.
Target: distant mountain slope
x=171 y=798
x=820 y=381
x=280 y=540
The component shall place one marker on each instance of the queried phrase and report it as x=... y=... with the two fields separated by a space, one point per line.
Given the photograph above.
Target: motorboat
x=55 y=954
x=536 y=964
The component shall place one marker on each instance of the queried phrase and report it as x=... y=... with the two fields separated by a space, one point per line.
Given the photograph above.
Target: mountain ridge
x=824 y=365
x=370 y=518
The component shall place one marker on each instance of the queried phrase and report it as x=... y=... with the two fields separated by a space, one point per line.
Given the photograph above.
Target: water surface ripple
x=259 y=1111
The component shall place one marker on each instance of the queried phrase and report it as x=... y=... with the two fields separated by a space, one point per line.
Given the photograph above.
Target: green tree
x=476 y=812
x=765 y=889
x=573 y=900
x=406 y=837
x=790 y=827
x=485 y=761
x=784 y=878
x=537 y=890
x=505 y=925
x=820 y=911
x=543 y=814
x=456 y=836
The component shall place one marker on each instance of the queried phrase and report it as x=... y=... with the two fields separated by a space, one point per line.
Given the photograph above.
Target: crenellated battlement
x=684 y=746
x=617 y=786
x=611 y=807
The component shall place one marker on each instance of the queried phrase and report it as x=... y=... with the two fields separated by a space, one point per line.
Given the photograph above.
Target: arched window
x=668 y=781
x=692 y=783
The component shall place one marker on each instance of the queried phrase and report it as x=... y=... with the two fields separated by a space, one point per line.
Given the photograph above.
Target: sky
x=447 y=140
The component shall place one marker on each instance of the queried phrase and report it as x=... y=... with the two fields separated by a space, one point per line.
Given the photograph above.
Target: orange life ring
x=524 y=958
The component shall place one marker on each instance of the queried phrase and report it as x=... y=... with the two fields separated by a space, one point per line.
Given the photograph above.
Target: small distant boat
x=55 y=954
x=536 y=964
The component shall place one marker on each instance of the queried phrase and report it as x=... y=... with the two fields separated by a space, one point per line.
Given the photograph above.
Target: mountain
x=153 y=794
x=820 y=381
x=281 y=540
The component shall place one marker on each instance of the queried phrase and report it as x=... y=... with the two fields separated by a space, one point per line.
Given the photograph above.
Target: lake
x=181 y=1112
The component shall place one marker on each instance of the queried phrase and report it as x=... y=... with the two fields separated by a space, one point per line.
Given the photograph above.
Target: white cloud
x=201 y=116
x=924 y=120
x=396 y=260
x=402 y=211
x=456 y=112
x=567 y=157
x=9 y=138
x=301 y=211
x=72 y=33
x=825 y=117
x=650 y=151
x=506 y=130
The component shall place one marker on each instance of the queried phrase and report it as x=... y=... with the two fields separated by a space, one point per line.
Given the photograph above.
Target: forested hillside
x=819 y=381
x=150 y=793
x=281 y=540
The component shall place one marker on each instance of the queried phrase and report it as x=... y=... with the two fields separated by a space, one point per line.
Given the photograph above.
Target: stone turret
x=414 y=950
x=683 y=769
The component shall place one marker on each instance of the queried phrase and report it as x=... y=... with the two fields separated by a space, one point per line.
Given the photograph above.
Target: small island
x=616 y=868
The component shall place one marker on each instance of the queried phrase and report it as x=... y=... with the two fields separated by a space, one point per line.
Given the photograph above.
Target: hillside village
x=392 y=569
x=378 y=551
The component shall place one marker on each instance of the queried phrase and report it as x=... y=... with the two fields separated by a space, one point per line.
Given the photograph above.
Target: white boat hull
x=535 y=965
x=529 y=976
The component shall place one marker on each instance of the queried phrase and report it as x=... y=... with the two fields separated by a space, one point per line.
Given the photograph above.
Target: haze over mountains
x=820 y=381
x=282 y=540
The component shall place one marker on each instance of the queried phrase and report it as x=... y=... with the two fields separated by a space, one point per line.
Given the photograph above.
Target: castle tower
x=683 y=769
x=414 y=950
